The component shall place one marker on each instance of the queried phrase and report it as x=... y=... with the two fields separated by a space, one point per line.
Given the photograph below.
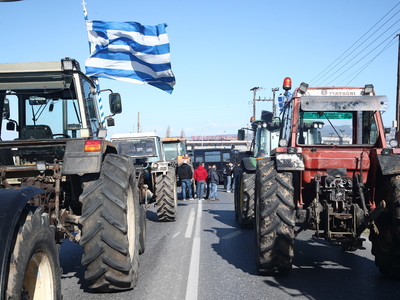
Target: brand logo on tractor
x=338 y=93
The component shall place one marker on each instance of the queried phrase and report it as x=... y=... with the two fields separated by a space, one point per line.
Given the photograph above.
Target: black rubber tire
x=166 y=196
x=275 y=219
x=34 y=271
x=386 y=244
x=236 y=195
x=143 y=228
x=110 y=226
x=246 y=200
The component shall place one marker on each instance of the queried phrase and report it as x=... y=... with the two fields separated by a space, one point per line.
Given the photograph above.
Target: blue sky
x=219 y=51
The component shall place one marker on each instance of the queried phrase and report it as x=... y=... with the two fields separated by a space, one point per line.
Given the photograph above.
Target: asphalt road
x=205 y=255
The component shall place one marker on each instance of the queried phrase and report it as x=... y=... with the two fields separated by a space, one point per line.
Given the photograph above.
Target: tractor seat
x=37 y=132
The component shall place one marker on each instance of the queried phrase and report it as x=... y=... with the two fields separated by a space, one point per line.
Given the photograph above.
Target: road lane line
x=189 y=227
x=193 y=278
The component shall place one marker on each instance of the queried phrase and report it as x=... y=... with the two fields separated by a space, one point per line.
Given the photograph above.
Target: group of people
x=230 y=174
x=207 y=180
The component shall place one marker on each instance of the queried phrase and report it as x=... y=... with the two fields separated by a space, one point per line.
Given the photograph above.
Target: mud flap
x=12 y=202
x=289 y=162
x=390 y=164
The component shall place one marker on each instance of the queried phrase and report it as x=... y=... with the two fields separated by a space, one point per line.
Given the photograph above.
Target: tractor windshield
x=137 y=147
x=173 y=150
x=337 y=128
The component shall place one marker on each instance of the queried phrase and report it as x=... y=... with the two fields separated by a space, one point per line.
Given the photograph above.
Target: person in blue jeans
x=185 y=175
x=200 y=176
x=229 y=175
x=214 y=180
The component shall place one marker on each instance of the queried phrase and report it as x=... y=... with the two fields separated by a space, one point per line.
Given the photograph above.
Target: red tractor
x=332 y=173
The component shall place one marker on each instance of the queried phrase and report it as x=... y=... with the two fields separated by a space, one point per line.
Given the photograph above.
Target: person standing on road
x=237 y=171
x=185 y=175
x=229 y=174
x=200 y=176
x=208 y=181
x=214 y=180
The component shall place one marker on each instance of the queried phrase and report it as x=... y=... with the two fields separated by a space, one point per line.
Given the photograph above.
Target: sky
x=219 y=51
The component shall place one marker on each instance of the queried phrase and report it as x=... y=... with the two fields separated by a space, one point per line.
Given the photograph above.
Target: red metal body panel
x=319 y=160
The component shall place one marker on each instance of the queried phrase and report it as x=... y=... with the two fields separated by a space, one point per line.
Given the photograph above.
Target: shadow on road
x=322 y=271
x=236 y=245
x=70 y=261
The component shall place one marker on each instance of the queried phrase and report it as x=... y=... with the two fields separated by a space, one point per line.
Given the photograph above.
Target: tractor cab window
x=325 y=128
x=368 y=128
x=91 y=105
x=337 y=128
x=262 y=142
x=137 y=147
x=286 y=127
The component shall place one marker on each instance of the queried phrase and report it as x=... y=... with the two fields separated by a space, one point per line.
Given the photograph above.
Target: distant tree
x=182 y=133
x=168 y=132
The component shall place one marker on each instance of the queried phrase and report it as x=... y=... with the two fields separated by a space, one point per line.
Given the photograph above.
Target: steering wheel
x=62 y=135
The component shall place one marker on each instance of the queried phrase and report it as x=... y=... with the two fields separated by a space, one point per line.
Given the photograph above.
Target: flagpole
x=95 y=79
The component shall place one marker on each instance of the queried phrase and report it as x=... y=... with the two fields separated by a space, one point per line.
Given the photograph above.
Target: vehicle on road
x=155 y=175
x=218 y=157
x=60 y=178
x=336 y=187
x=175 y=150
x=265 y=138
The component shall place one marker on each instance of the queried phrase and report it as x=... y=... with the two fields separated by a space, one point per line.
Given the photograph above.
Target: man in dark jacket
x=229 y=176
x=237 y=172
x=214 y=180
x=185 y=175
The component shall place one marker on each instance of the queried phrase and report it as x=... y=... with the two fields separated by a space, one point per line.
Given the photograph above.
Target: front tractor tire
x=166 y=196
x=110 y=226
x=274 y=223
x=34 y=268
x=386 y=239
x=245 y=198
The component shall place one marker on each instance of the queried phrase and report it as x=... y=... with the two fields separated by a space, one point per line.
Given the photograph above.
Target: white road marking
x=189 y=227
x=193 y=278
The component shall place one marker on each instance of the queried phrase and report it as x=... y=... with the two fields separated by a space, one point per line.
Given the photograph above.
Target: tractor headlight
x=393 y=143
x=283 y=142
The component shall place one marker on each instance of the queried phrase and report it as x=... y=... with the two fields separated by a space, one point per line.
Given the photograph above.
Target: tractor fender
x=289 y=162
x=12 y=203
x=80 y=162
x=390 y=164
x=249 y=163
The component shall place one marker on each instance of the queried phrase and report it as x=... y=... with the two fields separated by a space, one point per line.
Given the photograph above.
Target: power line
x=337 y=62
x=359 y=59
x=391 y=43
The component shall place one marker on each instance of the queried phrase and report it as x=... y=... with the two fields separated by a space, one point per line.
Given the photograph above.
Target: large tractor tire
x=386 y=240
x=166 y=196
x=110 y=226
x=236 y=195
x=246 y=200
x=274 y=224
x=34 y=271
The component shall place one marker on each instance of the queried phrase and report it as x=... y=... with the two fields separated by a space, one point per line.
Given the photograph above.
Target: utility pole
x=259 y=99
x=397 y=136
x=138 y=122
x=254 y=89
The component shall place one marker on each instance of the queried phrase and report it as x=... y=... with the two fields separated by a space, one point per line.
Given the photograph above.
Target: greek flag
x=131 y=52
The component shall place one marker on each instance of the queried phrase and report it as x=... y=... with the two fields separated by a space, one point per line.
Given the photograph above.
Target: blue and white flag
x=131 y=52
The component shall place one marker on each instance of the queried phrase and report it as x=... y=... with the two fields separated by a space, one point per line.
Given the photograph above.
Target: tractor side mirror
x=10 y=126
x=241 y=135
x=115 y=103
